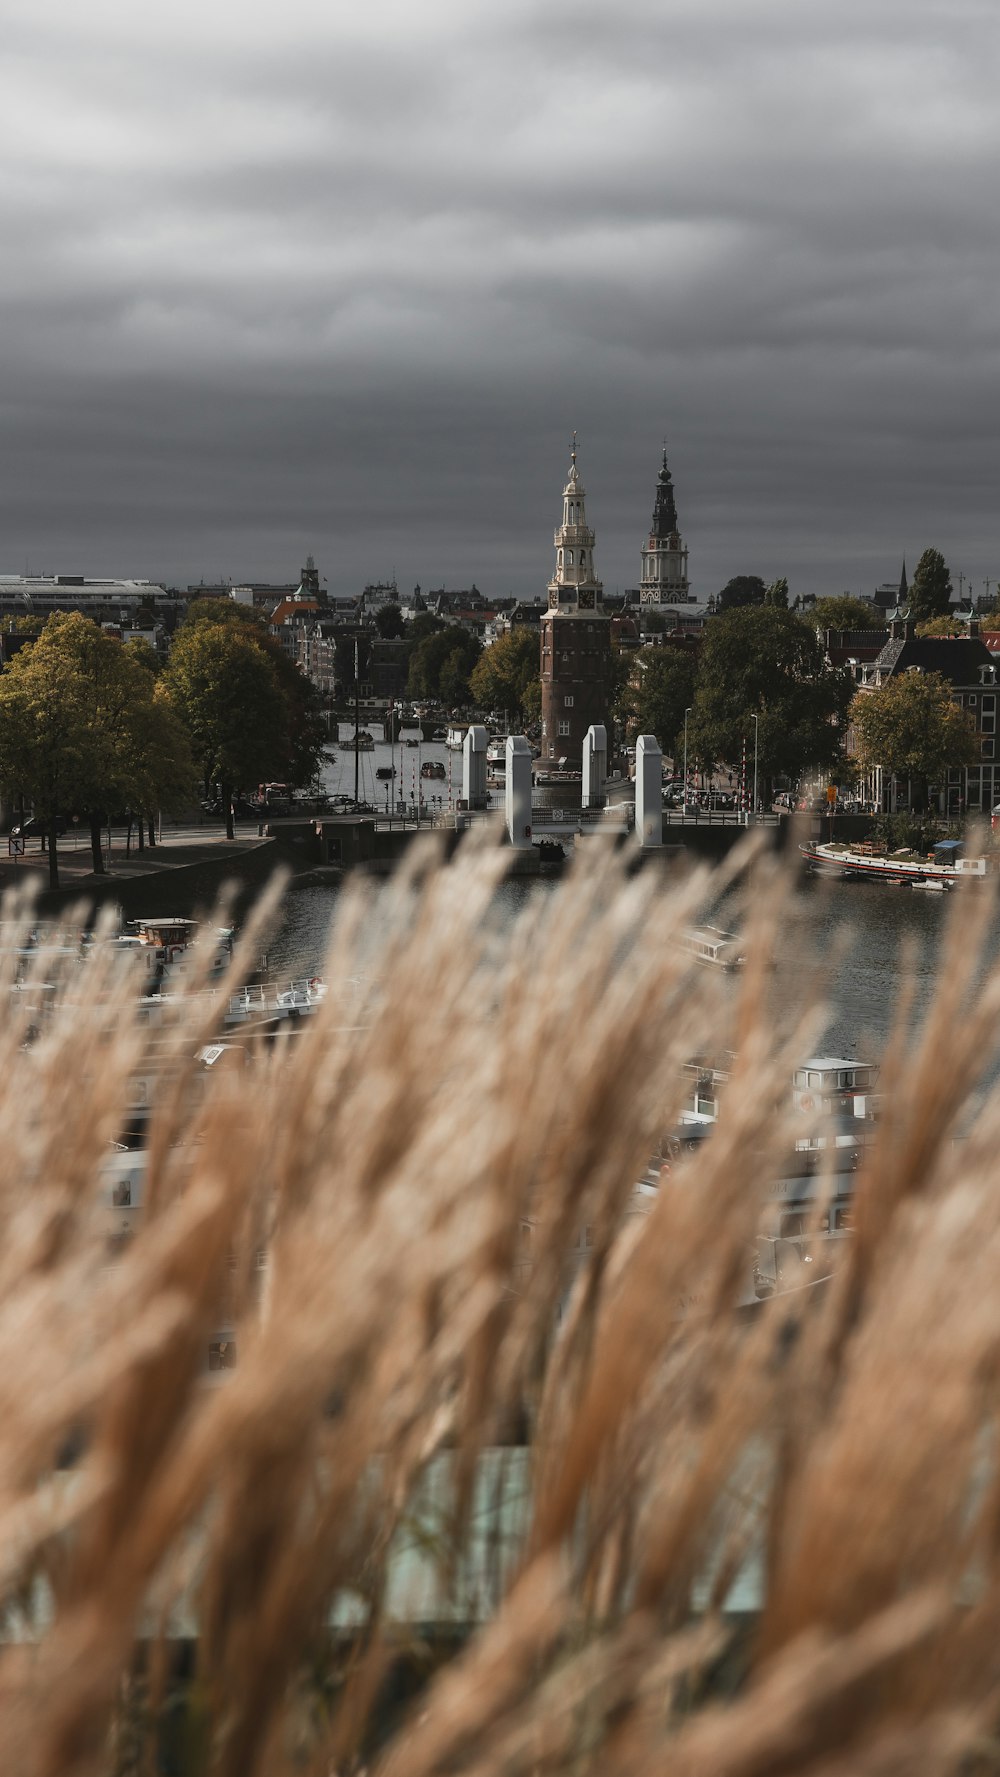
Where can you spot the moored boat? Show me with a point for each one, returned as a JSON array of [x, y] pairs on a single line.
[[714, 947], [938, 870]]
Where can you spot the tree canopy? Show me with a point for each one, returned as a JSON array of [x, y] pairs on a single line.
[[777, 593], [767, 662], [841, 611], [912, 727], [225, 686], [743, 589], [389, 622], [507, 675], [82, 730], [660, 687], [285, 709], [930, 588], [942, 626], [441, 663]]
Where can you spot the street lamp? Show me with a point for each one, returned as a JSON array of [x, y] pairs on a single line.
[[756, 736], [687, 712]]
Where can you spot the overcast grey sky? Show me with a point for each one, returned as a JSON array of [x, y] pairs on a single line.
[[302, 277]]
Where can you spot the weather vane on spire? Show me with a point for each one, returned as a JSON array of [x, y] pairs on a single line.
[[573, 448]]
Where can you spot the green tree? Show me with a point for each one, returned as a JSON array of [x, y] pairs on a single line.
[[389, 622], [777, 594], [74, 706], [912, 727], [159, 766], [504, 674], [451, 648], [227, 691], [841, 611], [659, 689], [296, 753], [767, 663], [45, 744], [930, 588], [744, 589]]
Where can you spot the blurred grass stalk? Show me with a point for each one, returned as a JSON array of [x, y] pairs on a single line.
[[454, 1438]]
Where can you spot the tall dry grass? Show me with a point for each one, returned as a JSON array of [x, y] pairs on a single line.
[[581, 1462]]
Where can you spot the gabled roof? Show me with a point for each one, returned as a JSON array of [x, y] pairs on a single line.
[[957, 658]]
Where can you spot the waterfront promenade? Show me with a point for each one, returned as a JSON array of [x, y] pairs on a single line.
[[189, 853]]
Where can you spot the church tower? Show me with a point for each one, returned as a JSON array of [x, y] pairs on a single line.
[[664, 557], [575, 636]]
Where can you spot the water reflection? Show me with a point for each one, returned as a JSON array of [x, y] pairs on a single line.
[[872, 922]]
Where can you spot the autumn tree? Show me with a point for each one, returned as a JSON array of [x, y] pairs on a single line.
[[912, 728], [78, 730], [943, 626], [507, 675], [930, 588]]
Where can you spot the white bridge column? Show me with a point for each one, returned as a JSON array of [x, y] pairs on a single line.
[[474, 768], [595, 765], [648, 792], [517, 792]]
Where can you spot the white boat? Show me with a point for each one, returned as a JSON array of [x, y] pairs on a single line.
[[938, 870], [455, 736], [713, 947], [496, 755]]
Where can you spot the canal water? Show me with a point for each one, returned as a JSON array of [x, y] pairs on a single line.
[[871, 927]]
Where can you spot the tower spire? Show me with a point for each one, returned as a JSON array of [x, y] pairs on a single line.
[[574, 582], [664, 557]]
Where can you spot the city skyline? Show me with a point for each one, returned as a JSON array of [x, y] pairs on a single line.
[[348, 285]]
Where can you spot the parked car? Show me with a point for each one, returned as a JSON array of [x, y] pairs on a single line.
[[36, 824]]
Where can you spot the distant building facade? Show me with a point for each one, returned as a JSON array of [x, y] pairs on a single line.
[[575, 636], [974, 677]]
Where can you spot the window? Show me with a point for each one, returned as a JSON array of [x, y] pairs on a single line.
[[568, 703], [987, 748], [564, 728]]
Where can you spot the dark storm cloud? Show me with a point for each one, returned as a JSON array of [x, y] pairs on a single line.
[[280, 279]]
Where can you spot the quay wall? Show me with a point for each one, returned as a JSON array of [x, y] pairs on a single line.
[[180, 889]]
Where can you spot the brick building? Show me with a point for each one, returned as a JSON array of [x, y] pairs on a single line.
[[575, 637], [968, 667]]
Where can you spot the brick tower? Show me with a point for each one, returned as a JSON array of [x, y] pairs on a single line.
[[575, 638]]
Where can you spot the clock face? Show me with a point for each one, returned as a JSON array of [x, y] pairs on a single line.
[[586, 600]]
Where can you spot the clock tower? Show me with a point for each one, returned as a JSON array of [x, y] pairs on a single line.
[[575, 636]]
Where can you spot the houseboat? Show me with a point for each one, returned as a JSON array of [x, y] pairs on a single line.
[[939, 869]]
